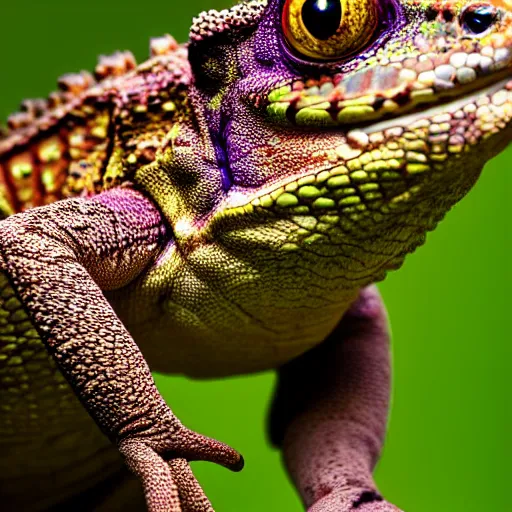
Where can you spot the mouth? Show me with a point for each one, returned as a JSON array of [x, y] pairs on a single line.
[[498, 91], [451, 125]]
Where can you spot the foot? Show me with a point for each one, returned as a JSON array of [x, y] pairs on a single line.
[[159, 456]]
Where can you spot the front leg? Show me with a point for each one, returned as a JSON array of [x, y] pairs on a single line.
[[330, 412], [57, 259]]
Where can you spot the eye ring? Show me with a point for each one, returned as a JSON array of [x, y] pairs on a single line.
[[329, 29], [477, 19]]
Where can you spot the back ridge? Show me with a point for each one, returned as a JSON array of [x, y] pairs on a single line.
[[61, 146]]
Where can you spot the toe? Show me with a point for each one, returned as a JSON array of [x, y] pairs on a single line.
[[192, 497], [194, 446]]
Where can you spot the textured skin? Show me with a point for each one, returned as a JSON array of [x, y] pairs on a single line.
[[224, 205], [346, 390], [104, 366]]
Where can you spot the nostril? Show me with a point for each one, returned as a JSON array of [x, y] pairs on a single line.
[[476, 19]]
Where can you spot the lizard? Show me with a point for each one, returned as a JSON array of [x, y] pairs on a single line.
[[224, 208]]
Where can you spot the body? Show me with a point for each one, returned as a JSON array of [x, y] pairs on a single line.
[[330, 220]]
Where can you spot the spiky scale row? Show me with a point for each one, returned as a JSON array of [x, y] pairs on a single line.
[[59, 146]]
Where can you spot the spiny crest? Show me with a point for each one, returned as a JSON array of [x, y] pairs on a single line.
[[164, 45], [73, 85], [59, 146]]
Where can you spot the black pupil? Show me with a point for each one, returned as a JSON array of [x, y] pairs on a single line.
[[478, 20], [322, 17]]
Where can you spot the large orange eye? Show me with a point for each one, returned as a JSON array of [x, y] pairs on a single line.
[[329, 29]]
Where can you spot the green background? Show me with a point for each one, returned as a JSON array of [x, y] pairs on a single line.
[[449, 441]]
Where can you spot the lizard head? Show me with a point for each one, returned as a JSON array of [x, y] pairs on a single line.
[[349, 123]]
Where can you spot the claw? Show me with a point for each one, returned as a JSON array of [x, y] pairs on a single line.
[[195, 446]]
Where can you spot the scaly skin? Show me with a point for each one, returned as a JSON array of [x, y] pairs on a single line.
[[226, 204]]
